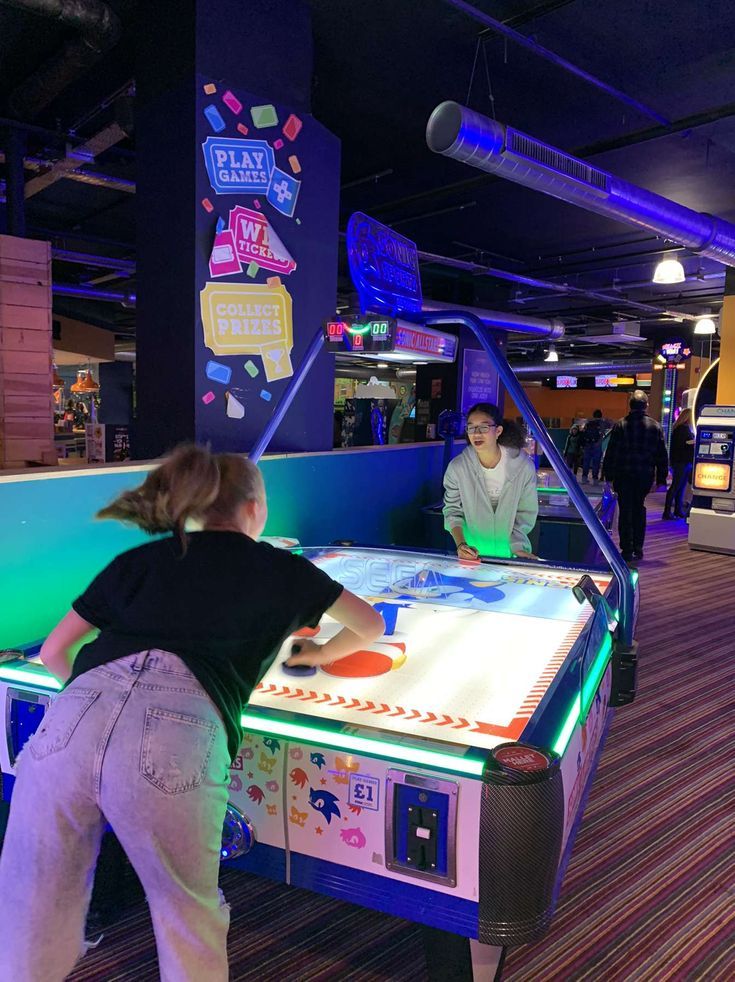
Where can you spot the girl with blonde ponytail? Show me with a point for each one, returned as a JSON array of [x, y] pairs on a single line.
[[143, 732]]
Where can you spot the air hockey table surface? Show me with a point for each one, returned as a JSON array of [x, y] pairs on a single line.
[[468, 654]]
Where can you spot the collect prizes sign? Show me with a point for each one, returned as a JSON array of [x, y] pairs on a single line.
[[240, 319], [384, 266]]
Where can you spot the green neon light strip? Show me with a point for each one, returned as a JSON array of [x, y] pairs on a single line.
[[41, 680], [592, 682], [582, 702], [634, 576], [363, 745], [565, 734], [358, 330]]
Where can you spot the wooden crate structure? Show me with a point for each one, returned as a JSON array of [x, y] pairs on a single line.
[[26, 379]]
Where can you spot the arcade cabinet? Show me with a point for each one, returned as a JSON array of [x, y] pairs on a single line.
[[712, 516]]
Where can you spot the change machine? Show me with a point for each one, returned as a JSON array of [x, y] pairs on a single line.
[[712, 517]]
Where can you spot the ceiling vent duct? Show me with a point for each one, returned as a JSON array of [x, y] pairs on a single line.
[[572, 366], [465, 135], [627, 330]]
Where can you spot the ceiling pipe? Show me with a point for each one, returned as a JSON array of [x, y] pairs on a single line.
[[546, 369], [633, 285], [98, 180], [537, 327], [100, 30], [91, 293], [537, 49], [126, 266], [563, 289], [458, 132], [38, 164], [540, 327], [89, 150]]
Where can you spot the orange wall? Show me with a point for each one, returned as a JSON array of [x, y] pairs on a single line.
[[571, 403]]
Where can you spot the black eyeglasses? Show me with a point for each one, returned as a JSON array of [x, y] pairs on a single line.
[[481, 428]]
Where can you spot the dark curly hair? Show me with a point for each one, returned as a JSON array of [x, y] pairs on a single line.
[[513, 435]]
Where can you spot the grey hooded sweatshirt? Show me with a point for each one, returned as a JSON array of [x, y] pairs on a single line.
[[504, 530]]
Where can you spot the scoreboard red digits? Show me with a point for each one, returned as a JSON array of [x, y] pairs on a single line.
[[362, 334]]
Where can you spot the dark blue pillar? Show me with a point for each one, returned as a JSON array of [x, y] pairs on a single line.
[[15, 148], [238, 193], [116, 386]]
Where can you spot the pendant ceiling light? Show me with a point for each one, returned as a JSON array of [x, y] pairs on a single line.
[[669, 271], [85, 384], [552, 355], [705, 325]]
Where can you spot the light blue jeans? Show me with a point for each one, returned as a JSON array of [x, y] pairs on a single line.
[[139, 744]]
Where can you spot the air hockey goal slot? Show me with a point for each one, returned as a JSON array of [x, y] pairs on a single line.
[[421, 827], [24, 713]]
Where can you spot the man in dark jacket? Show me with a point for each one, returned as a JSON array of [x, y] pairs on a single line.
[[636, 454]]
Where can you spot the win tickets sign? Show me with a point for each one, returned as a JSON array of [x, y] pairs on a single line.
[[256, 241]]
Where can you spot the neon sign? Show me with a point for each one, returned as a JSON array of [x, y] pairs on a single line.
[[423, 341], [384, 266], [673, 353]]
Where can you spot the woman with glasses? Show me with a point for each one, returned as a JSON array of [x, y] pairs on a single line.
[[490, 498]]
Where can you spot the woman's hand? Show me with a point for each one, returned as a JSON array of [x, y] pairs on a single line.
[[524, 555], [305, 652], [468, 553]]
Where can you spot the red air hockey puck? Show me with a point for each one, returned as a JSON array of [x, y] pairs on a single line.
[[378, 660]]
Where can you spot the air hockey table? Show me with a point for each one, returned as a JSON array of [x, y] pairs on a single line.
[[439, 775], [560, 533]]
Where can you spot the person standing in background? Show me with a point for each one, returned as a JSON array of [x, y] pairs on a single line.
[[682, 459], [591, 440], [571, 448], [636, 454]]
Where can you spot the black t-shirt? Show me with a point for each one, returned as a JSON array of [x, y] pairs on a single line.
[[224, 607]]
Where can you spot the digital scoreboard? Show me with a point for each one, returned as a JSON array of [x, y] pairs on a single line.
[[362, 335]]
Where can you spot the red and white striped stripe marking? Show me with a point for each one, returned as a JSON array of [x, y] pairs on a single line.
[[536, 694], [425, 717], [367, 706]]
